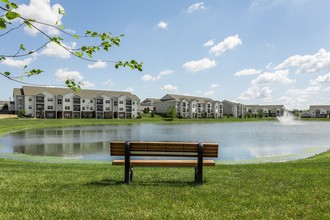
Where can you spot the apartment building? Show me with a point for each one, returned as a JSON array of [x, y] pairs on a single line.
[[148, 103], [267, 110], [189, 106], [49, 102], [236, 110], [319, 111]]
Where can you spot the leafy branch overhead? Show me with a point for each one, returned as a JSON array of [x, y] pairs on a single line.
[[85, 52]]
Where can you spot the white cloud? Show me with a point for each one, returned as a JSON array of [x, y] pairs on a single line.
[[213, 86], [129, 89], [195, 7], [169, 88], [280, 76], [209, 93], [227, 44], [304, 92], [195, 66], [97, 65], [87, 84], [247, 72], [209, 43], [148, 77], [327, 89], [254, 92], [108, 83], [54, 50], [44, 12], [321, 79], [64, 74], [17, 63], [165, 73], [162, 25], [308, 63]]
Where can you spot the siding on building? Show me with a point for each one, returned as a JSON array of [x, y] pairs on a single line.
[[189, 106], [46, 102]]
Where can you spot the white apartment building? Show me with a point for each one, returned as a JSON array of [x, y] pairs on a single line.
[[189, 106], [47, 102], [320, 111]]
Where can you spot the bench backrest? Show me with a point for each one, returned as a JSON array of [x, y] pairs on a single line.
[[166, 149]]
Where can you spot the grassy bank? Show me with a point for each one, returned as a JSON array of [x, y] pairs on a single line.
[[291, 190]]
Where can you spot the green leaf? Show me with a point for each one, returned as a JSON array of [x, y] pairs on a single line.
[[78, 54], [13, 5], [2, 24], [22, 47], [7, 73], [27, 23], [76, 36], [12, 15], [5, 1]]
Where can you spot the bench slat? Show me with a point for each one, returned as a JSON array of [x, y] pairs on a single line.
[[164, 163], [183, 149]]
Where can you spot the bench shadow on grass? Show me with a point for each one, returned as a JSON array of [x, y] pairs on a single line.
[[110, 182]]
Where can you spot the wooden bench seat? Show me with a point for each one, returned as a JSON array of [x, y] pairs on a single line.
[[167, 150], [164, 163]]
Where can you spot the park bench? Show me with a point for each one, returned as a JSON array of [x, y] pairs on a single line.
[[164, 150]]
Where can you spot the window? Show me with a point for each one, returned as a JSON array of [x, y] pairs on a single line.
[[50, 99], [107, 101], [91, 108], [59, 101], [107, 108], [30, 106], [30, 99], [83, 101], [67, 107], [121, 102], [49, 107], [67, 100], [91, 101], [115, 103], [121, 109], [83, 108]]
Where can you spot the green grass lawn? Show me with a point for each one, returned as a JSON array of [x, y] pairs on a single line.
[[291, 190]]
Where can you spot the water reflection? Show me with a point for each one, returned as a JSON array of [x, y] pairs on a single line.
[[237, 141], [62, 149]]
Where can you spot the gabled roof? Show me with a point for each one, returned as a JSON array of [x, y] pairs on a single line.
[[319, 107], [150, 100], [181, 97], [231, 103], [84, 93]]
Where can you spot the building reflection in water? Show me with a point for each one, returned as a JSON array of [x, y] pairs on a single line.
[[65, 149]]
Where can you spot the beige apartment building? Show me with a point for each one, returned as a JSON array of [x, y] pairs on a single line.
[[49, 102], [189, 106]]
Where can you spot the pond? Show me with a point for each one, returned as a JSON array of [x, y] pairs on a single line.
[[239, 142]]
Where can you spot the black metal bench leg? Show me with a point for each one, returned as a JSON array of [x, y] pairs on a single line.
[[200, 164], [131, 175]]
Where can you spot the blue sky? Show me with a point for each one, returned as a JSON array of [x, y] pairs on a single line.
[[253, 52]]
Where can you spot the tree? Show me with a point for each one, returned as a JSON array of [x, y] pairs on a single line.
[[260, 113], [171, 112], [296, 113], [21, 113], [146, 110], [85, 52], [5, 107]]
